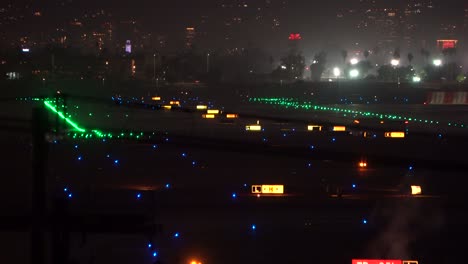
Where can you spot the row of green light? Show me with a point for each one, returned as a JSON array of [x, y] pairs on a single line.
[[289, 102], [99, 134], [61, 115], [82, 133]]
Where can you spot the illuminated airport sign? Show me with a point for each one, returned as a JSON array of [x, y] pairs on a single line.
[[376, 261], [253, 127], [208, 116], [339, 128], [267, 189], [416, 189], [395, 134], [314, 128]]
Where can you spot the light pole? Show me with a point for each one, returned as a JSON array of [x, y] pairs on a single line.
[[395, 63], [154, 66]]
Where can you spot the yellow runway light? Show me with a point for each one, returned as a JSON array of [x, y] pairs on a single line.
[[212, 111], [201, 107], [168, 107], [231, 116], [155, 98]]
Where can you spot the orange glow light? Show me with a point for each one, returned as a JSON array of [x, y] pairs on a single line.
[[167, 107], [174, 102], [362, 164], [155, 98]]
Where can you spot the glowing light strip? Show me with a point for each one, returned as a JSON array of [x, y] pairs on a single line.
[[71, 123]]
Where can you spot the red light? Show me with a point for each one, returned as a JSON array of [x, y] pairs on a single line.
[[406, 122], [448, 45], [295, 36]]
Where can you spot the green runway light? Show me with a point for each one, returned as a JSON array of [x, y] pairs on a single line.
[[289, 102], [71, 123]]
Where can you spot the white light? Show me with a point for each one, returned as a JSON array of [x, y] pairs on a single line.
[[395, 62], [354, 61], [416, 79], [437, 62], [283, 67], [336, 71], [353, 73], [25, 50]]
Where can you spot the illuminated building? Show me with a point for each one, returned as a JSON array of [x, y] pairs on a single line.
[[294, 40], [190, 34], [128, 46]]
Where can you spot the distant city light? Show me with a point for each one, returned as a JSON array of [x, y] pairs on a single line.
[[254, 227], [155, 254], [128, 46], [354, 61], [416, 79], [437, 62], [234, 195], [353, 73], [395, 62], [167, 185], [138, 195], [364, 221], [283, 67], [176, 235], [336, 71], [25, 50]]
